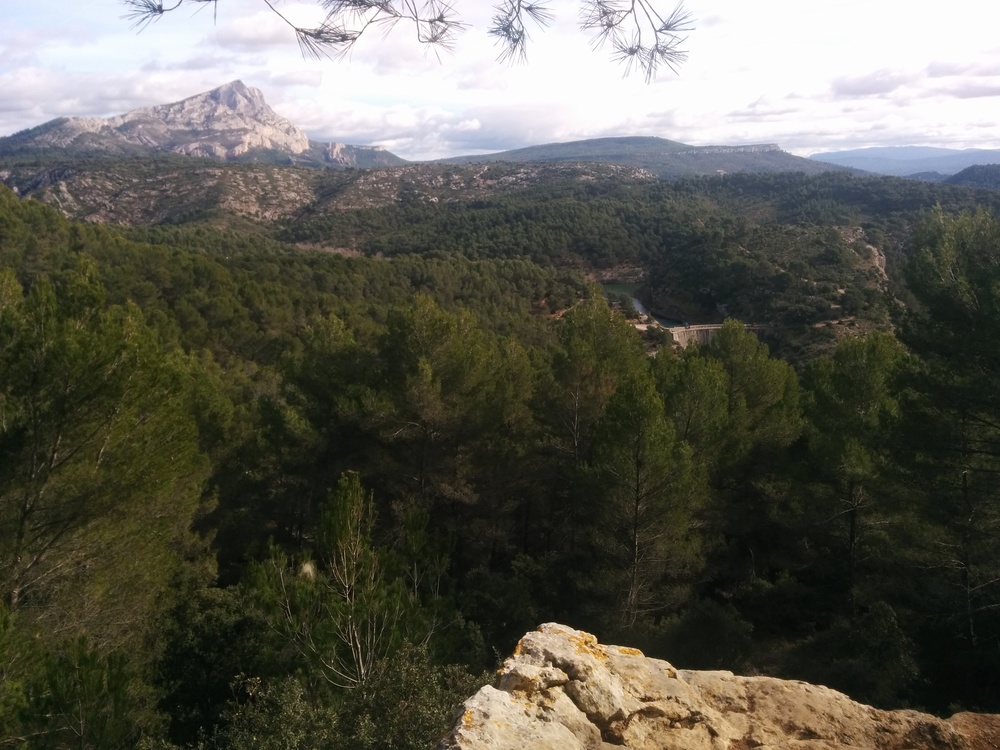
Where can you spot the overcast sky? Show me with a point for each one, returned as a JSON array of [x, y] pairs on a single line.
[[809, 75]]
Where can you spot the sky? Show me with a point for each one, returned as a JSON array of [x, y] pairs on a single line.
[[808, 75]]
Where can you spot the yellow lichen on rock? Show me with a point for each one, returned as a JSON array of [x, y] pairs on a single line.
[[468, 719], [587, 643]]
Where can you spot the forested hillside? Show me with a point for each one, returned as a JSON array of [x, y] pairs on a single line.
[[979, 175], [255, 493]]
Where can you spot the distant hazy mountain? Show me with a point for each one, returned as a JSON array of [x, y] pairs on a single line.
[[906, 161], [586, 150], [229, 122], [659, 156]]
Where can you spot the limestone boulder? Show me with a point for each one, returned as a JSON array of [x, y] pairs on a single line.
[[562, 690]]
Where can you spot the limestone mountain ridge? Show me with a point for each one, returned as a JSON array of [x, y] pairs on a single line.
[[230, 122], [233, 122], [562, 690]]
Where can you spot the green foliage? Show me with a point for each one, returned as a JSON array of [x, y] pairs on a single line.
[[852, 404], [740, 408], [96, 442], [952, 430], [694, 389], [871, 658], [344, 612], [408, 704], [81, 697], [210, 642], [16, 661], [978, 175], [761, 396], [527, 459], [706, 635], [954, 275], [648, 492], [509, 602], [274, 716], [597, 351], [440, 374]]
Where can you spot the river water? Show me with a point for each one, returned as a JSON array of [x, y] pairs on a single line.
[[629, 289]]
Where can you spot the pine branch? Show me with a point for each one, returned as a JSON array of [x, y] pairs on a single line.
[[639, 37]]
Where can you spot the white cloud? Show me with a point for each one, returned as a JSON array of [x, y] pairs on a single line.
[[973, 90], [876, 83], [258, 32], [466, 126], [197, 63], [827, 73], [307, 78]]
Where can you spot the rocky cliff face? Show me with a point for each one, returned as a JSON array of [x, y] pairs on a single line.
[[562, 690], [757, 148], [230, 122], [225, 123], [356, 156]]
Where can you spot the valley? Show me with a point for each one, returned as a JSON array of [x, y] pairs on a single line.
[[289, 441]]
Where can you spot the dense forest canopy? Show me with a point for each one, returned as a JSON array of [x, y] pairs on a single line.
[[254, 492]]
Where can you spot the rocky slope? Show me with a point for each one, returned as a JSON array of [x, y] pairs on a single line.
[[229, 122], [438, 183], [563, 690], [174, 190], [225, 123], [142, 191]]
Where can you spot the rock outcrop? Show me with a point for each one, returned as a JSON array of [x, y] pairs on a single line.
[[224, 123], [229, 122], [753, 148], [358, 156], [562, 690]]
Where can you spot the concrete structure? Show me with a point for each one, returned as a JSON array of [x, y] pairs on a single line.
[[702, 335]]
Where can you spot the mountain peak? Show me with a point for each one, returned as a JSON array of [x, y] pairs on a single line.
[[237, 86], [237, 96], [227, 122]]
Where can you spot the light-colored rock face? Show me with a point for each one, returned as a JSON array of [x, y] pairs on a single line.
[[347, 156], [562, 690], [226, 122]]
